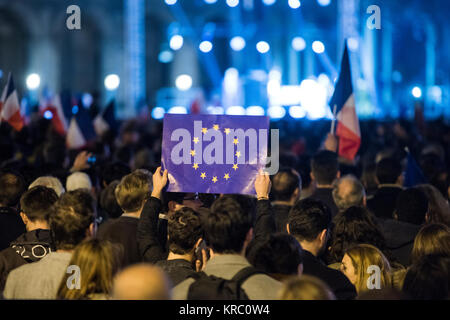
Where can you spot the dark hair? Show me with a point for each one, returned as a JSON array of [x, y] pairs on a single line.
[[72, 215], [177, 197], [12, 186], [411, 206], [325, 166], [429, 278], [354, 226], [247, 203], [227, 225], [108, 201], [388, 170], [284, 183], [115, 171], [279, 254], [308, 218], [184, 229], [37, 202]]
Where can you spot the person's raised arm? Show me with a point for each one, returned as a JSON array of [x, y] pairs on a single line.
[[265, 221], [147, 233]]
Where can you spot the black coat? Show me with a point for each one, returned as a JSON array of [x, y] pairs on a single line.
[[382, 204], [11, 226], [326, 196], [281, 212]]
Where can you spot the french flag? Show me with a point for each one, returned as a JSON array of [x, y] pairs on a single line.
[[81, 130], [343, 101], [10, 107], [54, 107]]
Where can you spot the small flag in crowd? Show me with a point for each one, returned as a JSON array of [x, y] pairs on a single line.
[[214, 153], [413, 173], [10, 107], [343, 101], [81, 130], [53, 110], [106, 120]]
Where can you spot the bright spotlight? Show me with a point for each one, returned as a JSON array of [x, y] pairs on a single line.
[[215, 110], [298, 44], [416, 92], [294, 4], [158, 113], [255, 111], [235, 111], [262, 47], [176, 42], [237, 43], [232, 3], [269, 2], [323, 3], [33, 81], [297, 112], [318, 47], [165, 56], [183, 82], [170, 2], [48, 115], [205, 46], [353, 44], [276, 112], [112, 82], [210, 1], [178, 110]]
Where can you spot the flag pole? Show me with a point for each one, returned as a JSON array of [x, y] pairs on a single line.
[[333, 123]]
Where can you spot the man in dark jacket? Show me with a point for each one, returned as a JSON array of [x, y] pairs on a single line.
[[309, 222], [36, 243], [324, 170], [11, 226]]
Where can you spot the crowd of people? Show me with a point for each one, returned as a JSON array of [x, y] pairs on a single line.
[[98, 223]]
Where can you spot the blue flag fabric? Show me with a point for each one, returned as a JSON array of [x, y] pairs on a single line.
[[344, 87], [413, 173], [214, 153]]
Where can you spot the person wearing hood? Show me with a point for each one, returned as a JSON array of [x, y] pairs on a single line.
[[36, 242]]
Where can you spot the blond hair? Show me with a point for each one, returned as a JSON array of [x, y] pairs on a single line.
[[432, 239], [305, 288], [363, 256], [133, 190]]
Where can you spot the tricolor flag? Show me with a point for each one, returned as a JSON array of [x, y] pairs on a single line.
[[10, 107], [81, 130], [106, 120], [58, 119], [344, 101], [413, 173]]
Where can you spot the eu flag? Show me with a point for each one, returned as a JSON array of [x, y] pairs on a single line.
[[214, 153]]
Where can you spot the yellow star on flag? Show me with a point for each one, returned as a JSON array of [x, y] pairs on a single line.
[[226, 176], [235, 141], [238, 154], [235, 167], [195, 139], [216, 127], [203, 175], [214, 179], [227, 130], [192, 152], [195, 166], [204, 130]]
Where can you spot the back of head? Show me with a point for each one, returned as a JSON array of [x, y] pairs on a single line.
[[308, 218], [133, 190], [429, 278], [227, 225], [411, 206], [352, 227], [431, 239], [78, 180], [306, 288], [11, 188], [280, 254], [325, 166], [184, 230], [108, 201], [71, 218], [114, 171], [388, 170], [37, 203], [284, 184], [141, 282], [438, 206], [49, 182], [348, 191]]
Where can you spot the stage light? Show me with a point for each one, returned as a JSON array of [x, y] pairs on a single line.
[[417, 92], [112, 82], [48, 115], [176, 42], [33, 81], [297, 112], [353, 44], [178, 110], [170, 2], [269, 2], [276, 112], [232, 3], [273, 87], [215, 110], [323, 3], [318, 47], [298, 44], [158, 113], [254, 111], [231, 81], [87, 100], [210, 1], [237, 43], [183, 82], [294, 4], [165, 56], [205, 46], [262, 47], [235, 111], [436, 94], [313, 99], [75, 109]]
